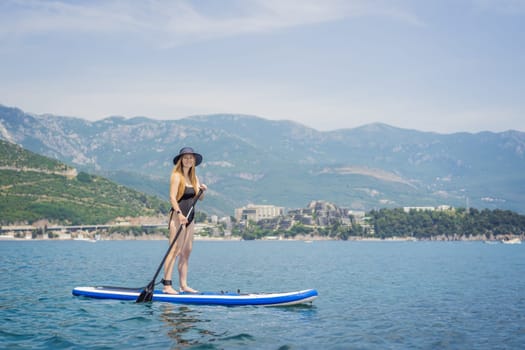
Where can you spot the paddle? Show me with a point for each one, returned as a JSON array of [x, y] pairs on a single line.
[[147, 294]]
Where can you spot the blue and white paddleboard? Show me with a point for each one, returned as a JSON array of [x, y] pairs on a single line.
[[203, 298]]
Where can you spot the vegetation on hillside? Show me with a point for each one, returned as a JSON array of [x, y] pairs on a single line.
[[459, 223], [34, 187], [16, 157]]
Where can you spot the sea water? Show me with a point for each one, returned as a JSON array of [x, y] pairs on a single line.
[[372, 295]]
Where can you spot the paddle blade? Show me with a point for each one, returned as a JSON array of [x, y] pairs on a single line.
[[147, 294]]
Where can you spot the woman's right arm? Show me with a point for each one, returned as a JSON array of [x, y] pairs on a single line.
[[174, 187]]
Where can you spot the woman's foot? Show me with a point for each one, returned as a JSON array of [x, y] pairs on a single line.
[[188, 290], [169, 290]]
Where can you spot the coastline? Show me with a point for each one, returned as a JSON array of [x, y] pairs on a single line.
[[509, 239]]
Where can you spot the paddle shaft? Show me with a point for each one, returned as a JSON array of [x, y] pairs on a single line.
[[147, 293]]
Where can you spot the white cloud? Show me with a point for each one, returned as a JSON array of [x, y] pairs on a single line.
[[22, 17], [173, 22]]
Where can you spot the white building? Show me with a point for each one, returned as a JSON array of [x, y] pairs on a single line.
[[255, 212]]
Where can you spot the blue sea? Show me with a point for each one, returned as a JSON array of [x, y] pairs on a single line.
[[372, 295]]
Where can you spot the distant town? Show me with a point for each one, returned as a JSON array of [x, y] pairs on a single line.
[[273, 218], [319, 220]]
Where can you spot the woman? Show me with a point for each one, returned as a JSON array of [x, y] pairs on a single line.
[[184, 186]]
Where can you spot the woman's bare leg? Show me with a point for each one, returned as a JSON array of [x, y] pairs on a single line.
[[184, 258], [172, 256]]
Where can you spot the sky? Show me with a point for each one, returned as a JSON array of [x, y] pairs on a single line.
[[432, 65]]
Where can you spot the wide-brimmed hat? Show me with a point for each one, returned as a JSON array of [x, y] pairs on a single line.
[[188, 150]]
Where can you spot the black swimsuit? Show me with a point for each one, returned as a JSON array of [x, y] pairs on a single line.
[[186, 201]]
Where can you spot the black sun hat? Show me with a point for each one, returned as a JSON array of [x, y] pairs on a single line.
[[188, 150]]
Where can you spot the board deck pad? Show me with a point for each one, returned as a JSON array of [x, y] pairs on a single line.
[[202, 298]]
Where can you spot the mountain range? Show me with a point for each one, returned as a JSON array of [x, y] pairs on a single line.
[[249, 159]]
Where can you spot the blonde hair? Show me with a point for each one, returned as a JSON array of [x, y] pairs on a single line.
[[177, 170]]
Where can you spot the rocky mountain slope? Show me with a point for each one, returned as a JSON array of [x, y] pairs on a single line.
[[253, 160]]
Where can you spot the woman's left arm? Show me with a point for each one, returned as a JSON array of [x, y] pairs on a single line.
[[203, 189]]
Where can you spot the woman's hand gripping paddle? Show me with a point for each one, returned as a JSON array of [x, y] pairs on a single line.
[[147, 294]]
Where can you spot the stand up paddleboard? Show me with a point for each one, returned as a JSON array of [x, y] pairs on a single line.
[[202, 298]]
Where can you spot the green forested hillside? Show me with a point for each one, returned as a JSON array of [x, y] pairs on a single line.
[[461, 222], [33, 187]]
